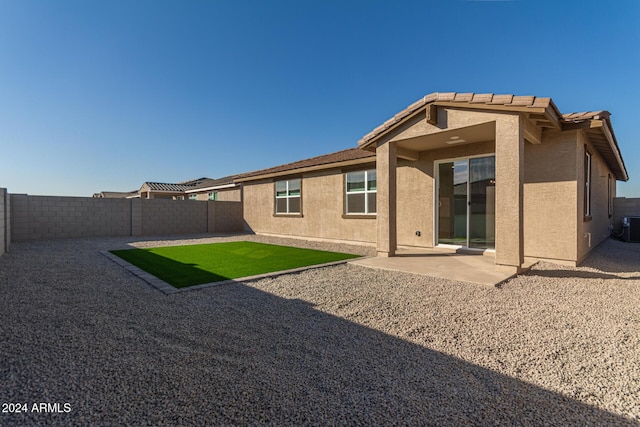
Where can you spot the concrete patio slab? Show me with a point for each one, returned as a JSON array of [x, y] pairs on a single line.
[[472, 267]]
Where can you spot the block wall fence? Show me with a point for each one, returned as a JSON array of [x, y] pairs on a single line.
[[53, 217], [5, 219], [624, 207]]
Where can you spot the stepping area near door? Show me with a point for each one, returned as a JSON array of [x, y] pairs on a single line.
[[461, 266]]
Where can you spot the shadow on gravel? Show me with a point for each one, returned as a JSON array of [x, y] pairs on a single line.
[[237, 355], [615, 256], [581, 274]]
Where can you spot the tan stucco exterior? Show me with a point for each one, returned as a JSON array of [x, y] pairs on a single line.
[[539, 185], [322, 210]]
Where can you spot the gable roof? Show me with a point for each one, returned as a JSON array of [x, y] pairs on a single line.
[[596, 124], [336, 159], [491, 101]]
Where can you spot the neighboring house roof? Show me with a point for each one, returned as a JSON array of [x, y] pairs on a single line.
[[214, 184], [542, 111], [162, 186], [115, 194], [337, 159], [194, 182]]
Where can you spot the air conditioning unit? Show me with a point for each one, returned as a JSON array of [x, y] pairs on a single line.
[[631, 228]]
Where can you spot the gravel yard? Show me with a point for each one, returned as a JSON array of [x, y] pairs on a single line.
[[341, 345]]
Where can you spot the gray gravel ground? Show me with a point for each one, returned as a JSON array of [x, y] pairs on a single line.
[[341, 345]]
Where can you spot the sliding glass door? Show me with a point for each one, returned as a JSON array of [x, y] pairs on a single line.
[[466, 202]]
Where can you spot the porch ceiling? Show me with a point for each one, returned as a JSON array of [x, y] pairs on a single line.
[[450, 137]]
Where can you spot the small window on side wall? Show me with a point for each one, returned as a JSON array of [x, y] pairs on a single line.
[[360, 196], [587, 183], [610, 191], [288, 197]]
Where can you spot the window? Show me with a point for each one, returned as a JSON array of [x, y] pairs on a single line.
[[610, 195], [360, 195], [288, 196], [193, 197], [587, 182], [213, 196]]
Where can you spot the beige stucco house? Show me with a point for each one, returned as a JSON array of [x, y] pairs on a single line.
[[503, 174]]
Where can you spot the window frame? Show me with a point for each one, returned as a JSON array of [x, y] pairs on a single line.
[[213, 196], [193, 197], [288, 197], [588, 165], [366, 192], [609, 195]]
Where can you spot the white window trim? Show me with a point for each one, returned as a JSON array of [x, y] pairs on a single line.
[[288, 197], [366, 193]]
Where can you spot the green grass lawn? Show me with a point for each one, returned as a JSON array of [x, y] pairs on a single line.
[[189, 265]]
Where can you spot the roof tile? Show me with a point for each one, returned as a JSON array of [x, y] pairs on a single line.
[[523, 101], [446, 96], [339, 156], [502, 99], [463, 97], [481, 98]]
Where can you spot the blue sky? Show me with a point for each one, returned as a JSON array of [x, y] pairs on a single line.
[[104, 95]]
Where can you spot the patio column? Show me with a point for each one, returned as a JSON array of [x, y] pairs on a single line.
[[386, 163], [509, 193]]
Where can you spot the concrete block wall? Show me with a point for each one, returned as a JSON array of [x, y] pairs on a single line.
[[5, 221], [52, 217], [622, 207], [225, 217], [161, 217]]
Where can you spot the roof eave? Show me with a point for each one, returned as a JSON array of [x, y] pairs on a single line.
[[333, 165], [607, 130], [215, 187]]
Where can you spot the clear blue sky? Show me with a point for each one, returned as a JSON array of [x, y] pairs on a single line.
[[104, 95]]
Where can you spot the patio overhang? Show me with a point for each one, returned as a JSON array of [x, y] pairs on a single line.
[[430, 116], [410, 148]]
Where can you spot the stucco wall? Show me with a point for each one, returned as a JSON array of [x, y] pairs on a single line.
[[5, 221], [592, 232], [416, 187], [322, 210], [550, 197], [52, 217]]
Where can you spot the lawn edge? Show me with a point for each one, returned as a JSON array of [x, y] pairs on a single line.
[[168, 289]]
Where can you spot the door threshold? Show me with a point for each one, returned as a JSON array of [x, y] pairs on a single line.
[[467, 250]]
